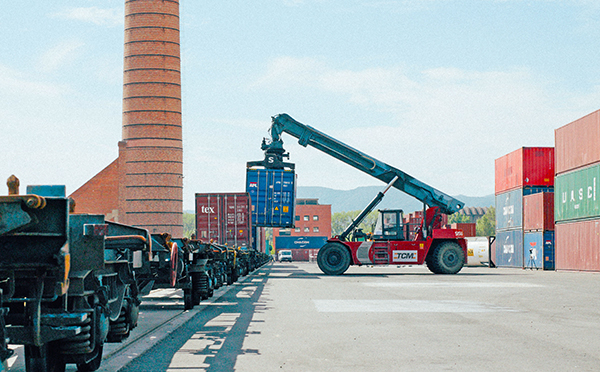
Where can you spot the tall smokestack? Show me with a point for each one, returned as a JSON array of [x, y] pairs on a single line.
[[151, 179]]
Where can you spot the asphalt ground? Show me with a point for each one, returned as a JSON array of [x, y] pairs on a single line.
[[291, 317]]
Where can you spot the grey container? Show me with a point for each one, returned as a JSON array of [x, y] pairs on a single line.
[[509, 248], [509, 207]]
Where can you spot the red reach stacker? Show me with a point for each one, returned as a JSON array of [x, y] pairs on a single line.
[[444, 251]]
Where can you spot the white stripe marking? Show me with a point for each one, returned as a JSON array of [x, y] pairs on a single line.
[[404, 306], [454, 285]]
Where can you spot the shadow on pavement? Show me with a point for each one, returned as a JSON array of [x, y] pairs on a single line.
[[212, 339]]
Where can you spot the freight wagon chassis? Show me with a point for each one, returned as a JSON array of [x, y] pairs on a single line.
[[199, 281], [59, 295]]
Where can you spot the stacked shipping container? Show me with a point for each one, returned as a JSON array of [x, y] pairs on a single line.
[[414, 220], [469, 228], [577, 204], [273, 196], [538, 225], [304, 248], [224, 218], [522, 173]]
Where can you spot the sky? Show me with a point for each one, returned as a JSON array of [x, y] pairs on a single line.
[[436, 88]]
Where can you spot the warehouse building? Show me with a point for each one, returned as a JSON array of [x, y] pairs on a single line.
[[312, 229]]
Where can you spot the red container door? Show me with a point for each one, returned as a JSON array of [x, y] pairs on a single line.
[[538, 166], [300, 254], [577, 246], [237, 220], [538, 212], [209, 217]]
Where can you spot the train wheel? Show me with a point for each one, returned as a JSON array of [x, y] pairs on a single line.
[[196, 288], [174, 274], [93, 364], [119, 329], [188, 302], [210, 284], [333, 259], [43, 359]]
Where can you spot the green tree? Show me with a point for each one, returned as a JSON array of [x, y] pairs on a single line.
[[341, 220], [459, 218], [270, 240], [189, 224], [486, 225]]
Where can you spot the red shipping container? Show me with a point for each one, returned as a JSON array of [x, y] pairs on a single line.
[[578, 143], [224, 218], [527, 166], [577, 245], [469, 229], [538, 211]]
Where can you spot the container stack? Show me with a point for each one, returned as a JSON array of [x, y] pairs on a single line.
[[224, 218], [538, 227], [577, 203], [526, 171], [413, 220], [469, 228]]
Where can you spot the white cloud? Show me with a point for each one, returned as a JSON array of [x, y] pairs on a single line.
[[14, 84], [444, 126], [95, 15], [59, 55]]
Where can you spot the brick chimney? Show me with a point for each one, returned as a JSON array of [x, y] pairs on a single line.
[[144, 186], [153, 166]]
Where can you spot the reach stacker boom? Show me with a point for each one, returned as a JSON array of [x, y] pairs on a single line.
[[444, 251]]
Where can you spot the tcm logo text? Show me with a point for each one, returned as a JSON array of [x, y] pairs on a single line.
[[405, 256]]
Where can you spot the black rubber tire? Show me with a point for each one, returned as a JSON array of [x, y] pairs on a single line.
[[333, 259], [446, 258]]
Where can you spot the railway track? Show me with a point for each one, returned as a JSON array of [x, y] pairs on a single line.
[[161, 312]]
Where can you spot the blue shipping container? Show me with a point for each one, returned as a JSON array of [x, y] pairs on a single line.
[[509, 206], [273, 196], [538, 250], [509, 248], [305, 242]]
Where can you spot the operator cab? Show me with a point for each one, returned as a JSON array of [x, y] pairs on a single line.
[[390, 225]]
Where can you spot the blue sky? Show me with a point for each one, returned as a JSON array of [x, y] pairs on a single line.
[[437, 88]]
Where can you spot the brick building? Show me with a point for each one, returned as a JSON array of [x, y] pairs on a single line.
[[312, 229], [312, 219]]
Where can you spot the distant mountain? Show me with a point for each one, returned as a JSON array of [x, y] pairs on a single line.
[[357, 199]]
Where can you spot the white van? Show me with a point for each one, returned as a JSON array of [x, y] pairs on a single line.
[[284, 255]]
